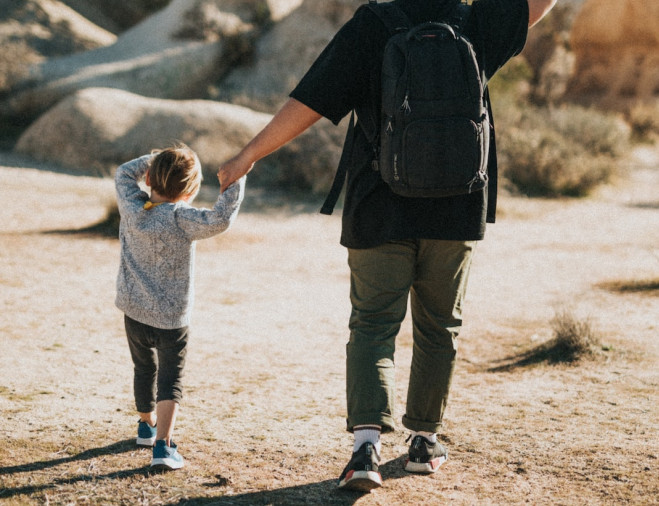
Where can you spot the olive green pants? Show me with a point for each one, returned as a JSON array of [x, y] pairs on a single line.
[[434, 275]]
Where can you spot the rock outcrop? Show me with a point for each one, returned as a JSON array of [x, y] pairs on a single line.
[[152, 59], [96, 129], [116, 16], [35, 30], [616, 43], [283, 54]]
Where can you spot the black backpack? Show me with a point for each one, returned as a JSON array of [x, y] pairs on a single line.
[[434, 129]]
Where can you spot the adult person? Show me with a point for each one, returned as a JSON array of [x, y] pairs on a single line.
[[398, 247]]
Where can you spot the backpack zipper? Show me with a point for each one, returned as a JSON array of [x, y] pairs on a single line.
[[396, 176]]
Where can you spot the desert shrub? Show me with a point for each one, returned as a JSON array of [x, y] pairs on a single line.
[[573, 338], [512, 80], [597, 132], [566, 151]]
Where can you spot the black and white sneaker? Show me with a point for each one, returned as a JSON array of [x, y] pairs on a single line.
[[424, 456], [362, 473]]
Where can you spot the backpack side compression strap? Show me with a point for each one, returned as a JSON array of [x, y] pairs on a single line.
[[342, 170]]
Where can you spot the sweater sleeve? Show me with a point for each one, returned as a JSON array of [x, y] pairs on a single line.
[[130, 196], [204, 223]]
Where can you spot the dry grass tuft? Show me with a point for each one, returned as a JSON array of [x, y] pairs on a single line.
[[573, 338]]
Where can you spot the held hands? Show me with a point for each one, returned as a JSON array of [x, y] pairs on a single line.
[[232, 171]]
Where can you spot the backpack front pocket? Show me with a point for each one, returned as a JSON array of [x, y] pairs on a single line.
[[441, 155]]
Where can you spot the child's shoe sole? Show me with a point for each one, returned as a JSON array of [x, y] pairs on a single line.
[[166, 464], [148, 441]]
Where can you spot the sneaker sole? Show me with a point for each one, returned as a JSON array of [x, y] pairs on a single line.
[[364, 481], [145, 441], [166, 464], [424, 467]]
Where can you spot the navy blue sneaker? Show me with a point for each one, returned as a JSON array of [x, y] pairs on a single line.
[[166, 457], [146, 435], [362, 472]]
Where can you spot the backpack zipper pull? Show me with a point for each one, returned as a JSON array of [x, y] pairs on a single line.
[[406, 104]]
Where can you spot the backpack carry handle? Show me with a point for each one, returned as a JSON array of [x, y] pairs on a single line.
[[431, 25]]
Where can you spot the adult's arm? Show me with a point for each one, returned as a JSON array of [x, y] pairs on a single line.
[[292, 119], [538, 9]]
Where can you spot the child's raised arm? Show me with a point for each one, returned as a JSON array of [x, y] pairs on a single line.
[[126, 180]]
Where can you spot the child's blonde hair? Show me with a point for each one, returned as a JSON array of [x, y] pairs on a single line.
[[175, 172]]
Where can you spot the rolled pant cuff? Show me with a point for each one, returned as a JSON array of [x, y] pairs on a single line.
[[146, 408], [420, 425], [386, 422]]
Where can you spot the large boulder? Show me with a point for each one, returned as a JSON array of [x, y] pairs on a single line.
[[174, 53], [279, 9], [284, 54], [94, 130], [32, 31], [116, 16], [616, 43]]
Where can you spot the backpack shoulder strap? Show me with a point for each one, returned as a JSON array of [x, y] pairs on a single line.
[[395, 20], [460, 15]]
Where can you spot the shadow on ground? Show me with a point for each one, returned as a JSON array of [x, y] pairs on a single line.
[[119, 447], [323, 492]]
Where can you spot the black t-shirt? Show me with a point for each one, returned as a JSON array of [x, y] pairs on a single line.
[[346, 76]]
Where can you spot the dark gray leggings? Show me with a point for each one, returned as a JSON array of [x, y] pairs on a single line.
[[159, 358]]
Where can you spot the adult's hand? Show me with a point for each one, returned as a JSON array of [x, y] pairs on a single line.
[[233, 170], [290, 121]]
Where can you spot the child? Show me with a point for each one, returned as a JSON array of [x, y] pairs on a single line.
[[155, 285]]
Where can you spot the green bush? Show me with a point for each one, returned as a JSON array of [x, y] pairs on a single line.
[[566, 151]]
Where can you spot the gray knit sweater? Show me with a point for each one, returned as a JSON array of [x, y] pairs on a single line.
[[155, 284]]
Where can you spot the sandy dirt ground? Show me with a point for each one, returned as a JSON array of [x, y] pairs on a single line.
[[263, 419]]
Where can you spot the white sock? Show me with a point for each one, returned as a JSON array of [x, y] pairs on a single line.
[[430, 436], [367, 434]]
